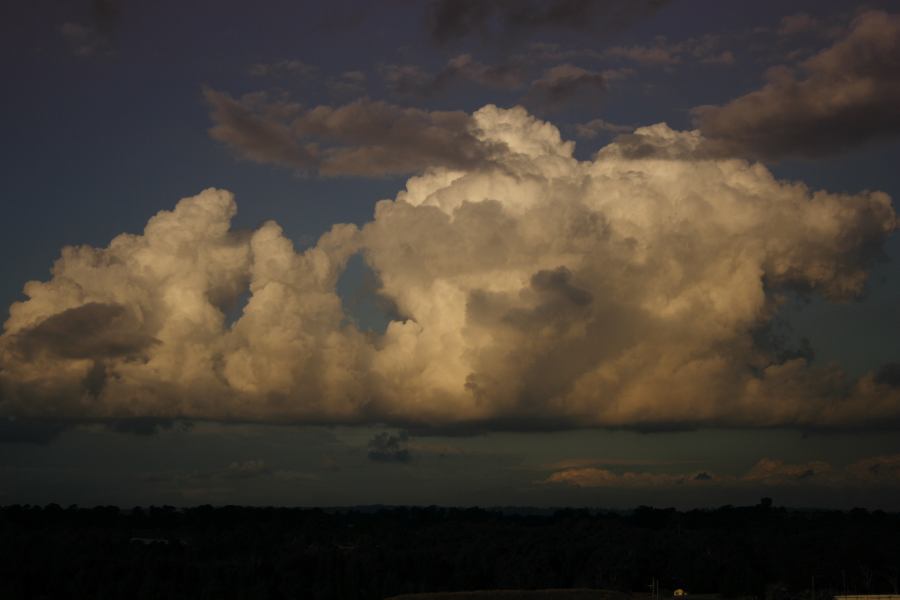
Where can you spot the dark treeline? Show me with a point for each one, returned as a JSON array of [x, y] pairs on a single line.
[[237, 552]]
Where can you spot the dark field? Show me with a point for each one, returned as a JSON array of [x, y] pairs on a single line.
[[573, 594], [281, 553], [519, 595]]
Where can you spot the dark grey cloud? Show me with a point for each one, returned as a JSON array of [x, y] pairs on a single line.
[[246, 469], [565, 83], [362, 138], [29, 431], [348, 84], [105, 15], [598, 127], [413, 80], [888, 374], [389, 447], [707, 49], [145, 425], [499, 19], [93, 330], [798, 23], [557, 283], [847, 95], [96, 36], [282, 68]]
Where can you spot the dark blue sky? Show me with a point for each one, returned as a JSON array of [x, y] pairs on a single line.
[[106, 123]]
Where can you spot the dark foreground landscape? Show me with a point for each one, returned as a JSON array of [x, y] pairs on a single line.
[[374, 553]]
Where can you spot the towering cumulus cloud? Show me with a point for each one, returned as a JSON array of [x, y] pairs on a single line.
[[535, 291]]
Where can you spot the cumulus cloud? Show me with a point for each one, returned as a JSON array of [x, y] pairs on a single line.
[[501, 19], [362, 138], [877, 470], [532, 291], [846, 95]]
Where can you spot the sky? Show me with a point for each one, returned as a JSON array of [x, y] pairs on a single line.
[[456, 252]]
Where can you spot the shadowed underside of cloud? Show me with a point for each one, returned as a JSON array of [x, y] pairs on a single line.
[[363, 138], [873, 471], [847, 95], [536, 291], [502, 19]]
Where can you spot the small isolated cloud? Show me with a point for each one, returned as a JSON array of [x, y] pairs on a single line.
[[565, 83], [725, 57], [246, 469], [282, 68], [84, 40], [411, 80], [646, 55], [363, 138], [705, 49], [598, 127], [348, 84], [503, 19], [389, 447], [798, 23], [95, 37], [844, 96]]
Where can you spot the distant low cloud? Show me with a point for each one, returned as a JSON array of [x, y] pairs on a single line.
[[388, 447], [873, 471], [502, 19], [363, 138], [29, 431], [846, 95], [529, 290], [246, 469]]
